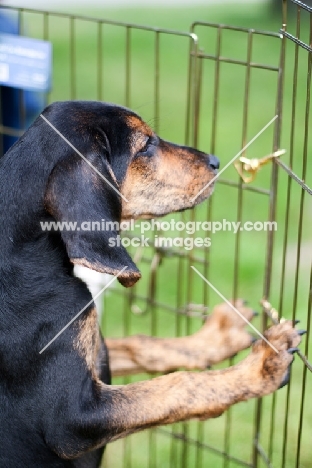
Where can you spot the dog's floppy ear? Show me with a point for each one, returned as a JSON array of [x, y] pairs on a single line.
[[77, 194]]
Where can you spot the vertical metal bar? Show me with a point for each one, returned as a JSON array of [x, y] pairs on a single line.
[[272, 208], [189, 290], [240, 188], [189, 93], [299, 236], [127, 442], [128, 65], [157, 81], [46, 26], [127, 462], [272, 428], [197, 64], [152, 445], [270, 237], [191, 89], [239, 216], [284, 14], [200, 426], [100, 62], [46, 17], [179, 300], [200, 437], [152, 442], [216, 93], [178, 331], [291, 158], [266, 293], [180, 280], [206, 272], [72, 59], [286, 223], [303, 193], [199, 78], [194, 122], [196, 67], [214, 125], [304, 378]]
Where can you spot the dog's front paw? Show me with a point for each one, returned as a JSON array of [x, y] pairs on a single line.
[[270, 360], [232, 314], [224, 333]]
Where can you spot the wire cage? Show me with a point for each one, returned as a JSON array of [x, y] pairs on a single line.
[[216, 88]]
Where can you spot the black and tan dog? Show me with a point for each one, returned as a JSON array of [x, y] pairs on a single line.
[[57, 408]]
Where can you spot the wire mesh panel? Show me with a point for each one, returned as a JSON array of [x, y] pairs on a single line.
[[95, 59], [231, 83], [172, 299], [215, 88], [293, 260]]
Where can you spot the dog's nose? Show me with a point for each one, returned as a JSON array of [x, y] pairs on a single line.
[[214, 162]]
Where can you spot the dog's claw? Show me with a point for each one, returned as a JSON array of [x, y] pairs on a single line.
[[286, 378], [296, 321], [255, 313], [301, 332], [292, 350]]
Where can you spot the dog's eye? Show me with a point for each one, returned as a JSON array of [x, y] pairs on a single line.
[[147, 148]]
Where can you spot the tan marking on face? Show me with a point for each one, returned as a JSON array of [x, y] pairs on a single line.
[[140, 133], [137, 124], [87, 342], [165, 182]]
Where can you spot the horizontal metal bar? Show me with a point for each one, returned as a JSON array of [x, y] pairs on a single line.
[[104, 21], [185, 311], [11, 131], [296, 40], [202, 445], [302, 5], [203, 55], [246, 187], [291, 173], [234, 28]]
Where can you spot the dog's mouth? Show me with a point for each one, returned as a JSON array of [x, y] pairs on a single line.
[[204, 193], [169, 204], [159, 194], [144, 216], [191, 204]]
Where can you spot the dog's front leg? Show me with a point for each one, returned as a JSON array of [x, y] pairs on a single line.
[[111, 412], [222, 336]]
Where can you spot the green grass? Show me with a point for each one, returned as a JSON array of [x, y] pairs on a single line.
[[175, 284]]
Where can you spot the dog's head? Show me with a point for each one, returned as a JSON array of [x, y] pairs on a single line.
[[113, 167]]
